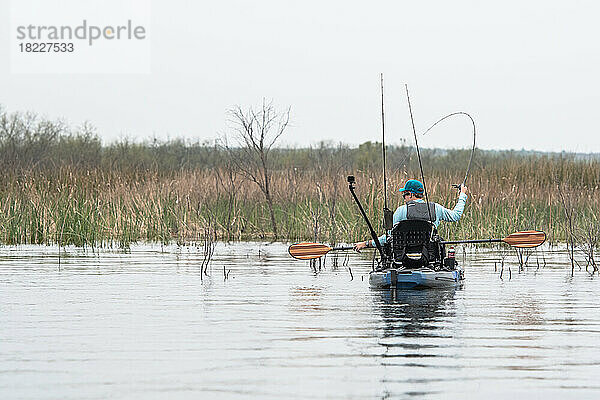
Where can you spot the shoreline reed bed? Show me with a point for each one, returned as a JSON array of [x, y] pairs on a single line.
[[60, 185], [69, 205]]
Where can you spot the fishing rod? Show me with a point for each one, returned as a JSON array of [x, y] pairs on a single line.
[[387, 213], [388, 216], [419, 156], [464, 182]]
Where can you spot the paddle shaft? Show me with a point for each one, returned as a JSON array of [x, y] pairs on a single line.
[[342, 248], [472, 241], [524, 239]]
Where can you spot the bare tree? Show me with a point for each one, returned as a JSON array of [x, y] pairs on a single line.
[[256, 132]]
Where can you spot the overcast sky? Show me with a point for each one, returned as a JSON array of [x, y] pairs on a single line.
[[528, 72]]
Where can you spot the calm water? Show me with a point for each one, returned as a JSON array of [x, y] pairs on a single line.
[[143, 325]]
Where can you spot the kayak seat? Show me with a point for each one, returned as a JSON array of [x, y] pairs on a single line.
[[411, 245]]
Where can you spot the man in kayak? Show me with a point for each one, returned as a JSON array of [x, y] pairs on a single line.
[[416, 208]]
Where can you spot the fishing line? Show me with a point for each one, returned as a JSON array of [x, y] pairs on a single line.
[[418, 154], [464, 182]]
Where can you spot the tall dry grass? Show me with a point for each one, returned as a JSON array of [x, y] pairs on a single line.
[[94, 206], [59, 184]]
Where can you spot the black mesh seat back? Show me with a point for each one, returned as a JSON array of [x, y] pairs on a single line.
[[411, 234]]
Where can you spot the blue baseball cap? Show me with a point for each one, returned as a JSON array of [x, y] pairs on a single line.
[[413, 186]]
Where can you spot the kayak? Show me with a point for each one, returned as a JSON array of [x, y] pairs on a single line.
[[421, 278]]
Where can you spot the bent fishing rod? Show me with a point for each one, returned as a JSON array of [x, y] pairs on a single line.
[[464, 182]]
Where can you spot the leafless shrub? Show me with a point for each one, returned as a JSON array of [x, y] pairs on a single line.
[[208, 246], [346, 260], [523, 257], [588, 238], [566, 200], [256, 132], [226, 273], [316, 265]]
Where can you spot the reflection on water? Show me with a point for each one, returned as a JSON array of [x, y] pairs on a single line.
[[144, 325], [413, 313]]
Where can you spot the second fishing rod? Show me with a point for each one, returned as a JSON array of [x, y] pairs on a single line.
[[387, 213], [419, 158]]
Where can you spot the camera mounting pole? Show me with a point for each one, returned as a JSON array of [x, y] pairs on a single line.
[[351, 183]]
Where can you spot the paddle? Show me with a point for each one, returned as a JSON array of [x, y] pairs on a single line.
[[524, 239], [307, 251]]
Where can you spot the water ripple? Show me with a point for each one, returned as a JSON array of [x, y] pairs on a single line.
[[146, 324]]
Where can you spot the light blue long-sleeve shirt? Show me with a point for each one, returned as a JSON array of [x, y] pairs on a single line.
[[441, 214]]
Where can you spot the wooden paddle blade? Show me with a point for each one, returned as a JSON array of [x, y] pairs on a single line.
[[307, 251], [525, 239]]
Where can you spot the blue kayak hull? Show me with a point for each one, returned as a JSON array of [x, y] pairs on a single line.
[[416, 279]]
